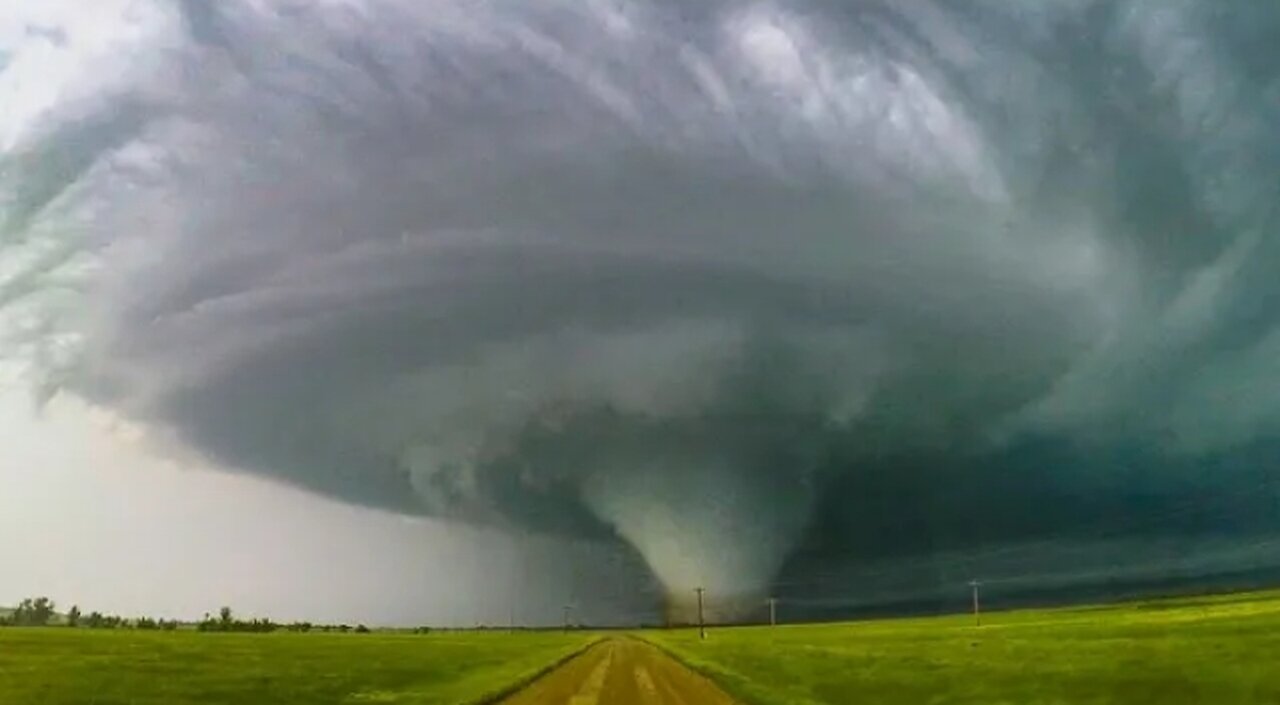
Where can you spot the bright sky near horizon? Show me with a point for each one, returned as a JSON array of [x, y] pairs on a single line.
[[90, 517]]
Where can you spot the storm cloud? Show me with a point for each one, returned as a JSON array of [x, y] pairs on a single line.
[[759, 288]]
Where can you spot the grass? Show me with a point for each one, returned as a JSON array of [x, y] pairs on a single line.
[[1221, 650], [54, 666], [1214, 650]]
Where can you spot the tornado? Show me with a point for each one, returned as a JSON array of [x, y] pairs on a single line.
[[733, 285]]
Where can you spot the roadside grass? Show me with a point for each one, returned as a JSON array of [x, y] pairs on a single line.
[[56, 666], [1217, 650]]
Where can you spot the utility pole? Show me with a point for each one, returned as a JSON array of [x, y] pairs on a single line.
[[977, 605], [702, 624], [773, 611]]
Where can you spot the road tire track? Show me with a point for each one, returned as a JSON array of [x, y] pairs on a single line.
[[621, 672]]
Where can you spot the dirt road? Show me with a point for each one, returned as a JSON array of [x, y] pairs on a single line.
[[621, 672]]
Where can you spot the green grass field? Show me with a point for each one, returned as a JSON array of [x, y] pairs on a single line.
[[1211, 651], [54, 666]]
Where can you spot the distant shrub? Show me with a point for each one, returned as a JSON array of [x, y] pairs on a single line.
[[226, 622]]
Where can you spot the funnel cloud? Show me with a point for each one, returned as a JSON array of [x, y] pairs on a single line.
[[780, 295]]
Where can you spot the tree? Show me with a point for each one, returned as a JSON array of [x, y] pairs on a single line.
[[94, 620], [73, 616], [34, 612], [225, 618]]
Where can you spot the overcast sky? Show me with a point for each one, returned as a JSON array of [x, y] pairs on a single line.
[[363, 309]]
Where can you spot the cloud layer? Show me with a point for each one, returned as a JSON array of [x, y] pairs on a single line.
[[715, 279]]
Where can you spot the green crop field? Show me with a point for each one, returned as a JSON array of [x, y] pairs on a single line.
[[58, 666], [1212, 651]]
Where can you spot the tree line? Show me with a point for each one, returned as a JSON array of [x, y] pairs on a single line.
[[226, 621], [42, 612]]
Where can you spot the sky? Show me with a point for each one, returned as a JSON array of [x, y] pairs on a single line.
[[844, 301], [93, 520]]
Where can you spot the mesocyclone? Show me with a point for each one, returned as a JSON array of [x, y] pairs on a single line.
[[683, 275]]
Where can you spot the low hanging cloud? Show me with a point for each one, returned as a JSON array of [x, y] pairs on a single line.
[[717, 279]]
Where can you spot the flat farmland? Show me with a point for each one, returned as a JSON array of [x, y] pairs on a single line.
[[1219, 650], [58, 666], [1216, 650]]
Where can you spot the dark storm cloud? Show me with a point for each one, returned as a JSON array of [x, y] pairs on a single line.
[[882, 278]]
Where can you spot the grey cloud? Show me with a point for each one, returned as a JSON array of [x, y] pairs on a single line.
[[715, 279]]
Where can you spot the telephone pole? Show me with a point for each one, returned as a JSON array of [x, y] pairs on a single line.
[[773, 611], [702, 624], [977, 605]]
